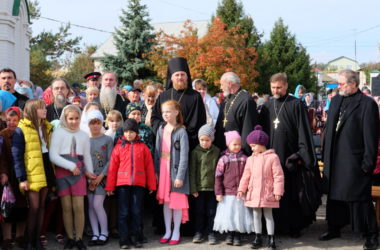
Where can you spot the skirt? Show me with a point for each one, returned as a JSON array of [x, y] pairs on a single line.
[[233, 216]]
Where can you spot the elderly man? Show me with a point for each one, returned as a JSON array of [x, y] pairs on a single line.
[[237, 111], [285, 120], [7, 83], [134, 95], [108, 97], [60, 90], [350, 150], [178, 88]]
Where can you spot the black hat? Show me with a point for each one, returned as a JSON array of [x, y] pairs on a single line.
[[175, 65], [76, 85], [131, 124], [92, 76], [135, 89]]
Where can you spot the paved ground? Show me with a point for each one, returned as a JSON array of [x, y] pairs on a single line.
[[308, 240]]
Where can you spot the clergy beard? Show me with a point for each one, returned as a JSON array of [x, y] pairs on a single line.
[[107, 97], [347, 92], [180, 85], [226, 93], [60, 101], [277, 96]]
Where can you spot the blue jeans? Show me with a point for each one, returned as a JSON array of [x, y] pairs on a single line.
[[130, 208]]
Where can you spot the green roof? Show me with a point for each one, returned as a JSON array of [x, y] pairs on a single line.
[[16, 8]]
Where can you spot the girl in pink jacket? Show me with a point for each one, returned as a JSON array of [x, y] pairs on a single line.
[[262, 184]]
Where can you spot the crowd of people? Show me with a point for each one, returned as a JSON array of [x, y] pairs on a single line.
[[89, 160]]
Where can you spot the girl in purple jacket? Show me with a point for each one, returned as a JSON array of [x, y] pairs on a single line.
[[231, 214]]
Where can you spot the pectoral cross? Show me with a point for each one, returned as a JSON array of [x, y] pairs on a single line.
[[276, 122], [337, 126], [225, 122]]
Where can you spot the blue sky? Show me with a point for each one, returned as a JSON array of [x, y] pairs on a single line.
[[327, 28]]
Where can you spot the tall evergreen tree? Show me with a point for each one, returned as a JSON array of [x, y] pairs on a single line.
[[282, 53], [232, 14], [133, 40]]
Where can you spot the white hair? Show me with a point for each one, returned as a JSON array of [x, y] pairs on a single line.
[[107, 97], [231, 77]]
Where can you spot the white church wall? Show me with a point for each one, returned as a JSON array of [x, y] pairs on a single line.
[[15, 35]]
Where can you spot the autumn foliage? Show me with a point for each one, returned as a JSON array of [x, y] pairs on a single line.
[[219, 51]]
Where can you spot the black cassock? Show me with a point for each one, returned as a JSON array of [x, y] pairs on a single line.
[[293, 138], [193, 111], [241, 116]]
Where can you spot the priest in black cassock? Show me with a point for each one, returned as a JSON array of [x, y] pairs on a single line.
[[350, 151], [285, 120], [178, 87], [237, 112]]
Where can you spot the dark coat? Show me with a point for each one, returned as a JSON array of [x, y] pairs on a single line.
[[293, 143], [120, 105], [7, 167], [350, 151], [192, 109], [53, 113]]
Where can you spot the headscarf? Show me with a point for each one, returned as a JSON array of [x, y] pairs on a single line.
[[83, 119], [25, 91], [94, 114], [296, 91], [14, 108], [63, 119], [7, 99], [174, 65]]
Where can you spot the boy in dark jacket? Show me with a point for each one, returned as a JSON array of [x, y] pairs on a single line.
[[131, 170], [203, 161]]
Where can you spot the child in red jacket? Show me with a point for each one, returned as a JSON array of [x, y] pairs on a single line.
[[131, 170]]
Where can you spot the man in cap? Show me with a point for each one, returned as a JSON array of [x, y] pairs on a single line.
[[178, 88], [77, 91], [92, 79], [134, 95]]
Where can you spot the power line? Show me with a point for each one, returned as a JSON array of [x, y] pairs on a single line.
[[185, 8], [338, 38], [76, 25]]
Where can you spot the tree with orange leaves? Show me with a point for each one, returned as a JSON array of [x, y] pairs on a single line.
[[219, 51]]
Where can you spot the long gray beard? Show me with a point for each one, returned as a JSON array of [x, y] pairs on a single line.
[[107, 98], [60, 101]]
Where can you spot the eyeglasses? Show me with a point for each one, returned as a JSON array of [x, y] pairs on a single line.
[[59, 88]]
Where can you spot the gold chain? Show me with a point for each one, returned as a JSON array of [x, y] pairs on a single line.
[[179, 100], [229, 108]]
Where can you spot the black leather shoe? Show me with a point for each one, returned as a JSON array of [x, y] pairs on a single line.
[[371, 243], [271, 243], [257, 242], [329, 235], [70, 244], [230, 239], [237, 239], [80, 245]]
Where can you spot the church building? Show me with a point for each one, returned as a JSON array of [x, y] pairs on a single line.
[[15, 34]]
